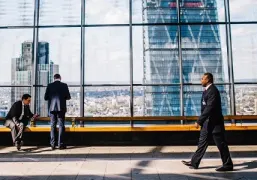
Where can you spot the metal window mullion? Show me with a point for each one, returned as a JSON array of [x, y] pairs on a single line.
[[180, 63], [230, 59], [35, 56], [131, 61], [82, 59]]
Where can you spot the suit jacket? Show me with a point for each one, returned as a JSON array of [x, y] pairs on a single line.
[[211, 111], [56, 94], [16, 111]]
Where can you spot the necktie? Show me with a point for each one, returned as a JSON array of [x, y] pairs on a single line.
[[26, 110]]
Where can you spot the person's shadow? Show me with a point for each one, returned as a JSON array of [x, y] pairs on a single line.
[[245, 165], [39, 149]]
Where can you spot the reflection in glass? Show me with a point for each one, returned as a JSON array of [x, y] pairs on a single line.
[[107, 101]]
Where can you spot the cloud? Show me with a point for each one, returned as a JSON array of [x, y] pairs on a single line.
[[107, 48], [243, 10], [107, 12], [244, 44]]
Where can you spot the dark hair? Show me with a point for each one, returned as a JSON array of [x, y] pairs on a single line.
[[25, 96], [209, 76], [57, 76]]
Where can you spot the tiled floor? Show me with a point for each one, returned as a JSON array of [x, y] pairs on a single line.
[[95, 163]]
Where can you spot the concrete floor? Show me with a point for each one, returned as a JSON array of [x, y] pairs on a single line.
[[137, 162]]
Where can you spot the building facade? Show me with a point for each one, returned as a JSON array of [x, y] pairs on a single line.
[[22, 74], [200, 49]]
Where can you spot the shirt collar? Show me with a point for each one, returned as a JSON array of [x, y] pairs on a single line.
[[207, 87], [57, 80]]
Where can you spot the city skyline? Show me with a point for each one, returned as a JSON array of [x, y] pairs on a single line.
[[23, 73], [101, 39], [107, 49]]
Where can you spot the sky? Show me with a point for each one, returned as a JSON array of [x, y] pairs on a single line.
[[107, 48]]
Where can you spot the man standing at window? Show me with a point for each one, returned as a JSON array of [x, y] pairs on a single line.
[[17, 119], [56, 94], [211, 121]]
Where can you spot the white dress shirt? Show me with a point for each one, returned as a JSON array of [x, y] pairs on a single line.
[[22, 111]]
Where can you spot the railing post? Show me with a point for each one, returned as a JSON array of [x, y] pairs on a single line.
[[32, 122], [73, 122], [81, 123]]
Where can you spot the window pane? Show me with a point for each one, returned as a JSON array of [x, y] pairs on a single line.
[[59, 52], [59, 12], [140, 101], [193, 95], [138, 55], [202, 11], [107, 55], [107, 101], [243, 10], [156, 54], [204, 50], [147, 11], [244, 47], [246, 99], [107, 12], [156, 101], [16, 13], [16, 56], [73, 105], [9, 95]]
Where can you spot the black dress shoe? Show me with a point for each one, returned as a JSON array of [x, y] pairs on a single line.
[[192, 167], [53, 148], [188, 163], [62, 147], [18, 145], [222, 168]]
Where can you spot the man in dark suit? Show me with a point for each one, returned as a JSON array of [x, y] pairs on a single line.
[[17, 119], [56, 94], [211, 121]]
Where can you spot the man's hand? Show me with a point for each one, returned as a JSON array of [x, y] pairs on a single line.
[[197, 125], [17, 124], [35, 116]]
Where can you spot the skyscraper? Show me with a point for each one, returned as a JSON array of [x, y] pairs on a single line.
[[201, 52], [22, 74]]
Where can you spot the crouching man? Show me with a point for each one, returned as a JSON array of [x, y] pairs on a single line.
[[18, 118]]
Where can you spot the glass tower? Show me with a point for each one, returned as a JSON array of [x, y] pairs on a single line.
[[201, 52]]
